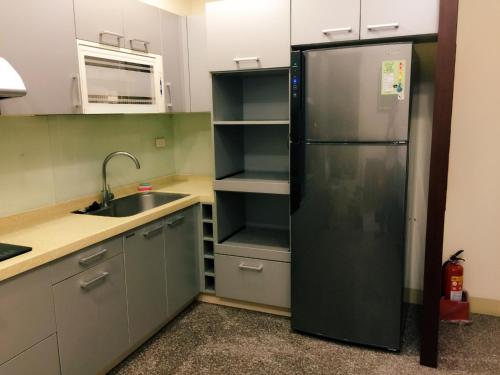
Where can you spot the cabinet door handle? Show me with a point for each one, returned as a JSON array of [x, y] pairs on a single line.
[[118, 37], [169, 90], [252, 58], [243, 266], [145, 43], [175, 221], [393, 25], [89, 283], [152, 232], [77, 103], [91, 258], [337, 30]]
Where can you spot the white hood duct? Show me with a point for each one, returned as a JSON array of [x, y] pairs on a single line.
[[11, 83]]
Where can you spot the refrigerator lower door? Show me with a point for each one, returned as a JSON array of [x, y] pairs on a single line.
[[350, 94], [348, 243]]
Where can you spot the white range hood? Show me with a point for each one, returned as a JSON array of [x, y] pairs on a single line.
[[11, 83]]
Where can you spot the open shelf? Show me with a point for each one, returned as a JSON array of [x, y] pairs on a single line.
[[208, 231], [249, 96], [244, 153], [209, 284], [253, 225], [206, 211], [255, 122], [255, 182], [209, 267], [208, 248]]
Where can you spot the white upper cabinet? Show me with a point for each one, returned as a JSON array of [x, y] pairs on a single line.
[[248, 34], [175, 62], [199, 77], [142, 27], [390, 18], [100, 21], [38, 39], [323, 21], [120, 23]]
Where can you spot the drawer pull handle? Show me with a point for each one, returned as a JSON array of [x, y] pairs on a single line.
[[243, 266], [393, 25], [175, 221], [152, 232], [88, 284], [93, 257], [118, 37], [337, 30], [145, 43], [240, 59]]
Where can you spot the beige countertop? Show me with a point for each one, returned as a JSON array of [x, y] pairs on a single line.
[[54, 232]]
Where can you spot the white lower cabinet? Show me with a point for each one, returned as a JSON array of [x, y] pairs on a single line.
[[26, 312], [146, 280], [40, 359], [181, 254], [253, 280], [91, 318]]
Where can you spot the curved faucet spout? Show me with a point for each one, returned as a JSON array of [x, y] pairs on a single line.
[[107, 195]]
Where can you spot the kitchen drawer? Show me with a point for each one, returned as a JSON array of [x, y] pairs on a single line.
[[26, 312], [86, 258], [91, 318], [253, 280], [41, 359]]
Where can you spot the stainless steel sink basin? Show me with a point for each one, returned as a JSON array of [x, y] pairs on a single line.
[[136, 203]]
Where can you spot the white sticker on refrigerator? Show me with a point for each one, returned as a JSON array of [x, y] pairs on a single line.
[[394, 78]]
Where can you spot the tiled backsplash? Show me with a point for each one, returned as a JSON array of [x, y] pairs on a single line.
[[51, 159]]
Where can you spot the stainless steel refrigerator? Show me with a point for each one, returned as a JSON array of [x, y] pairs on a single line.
[[349, 147]]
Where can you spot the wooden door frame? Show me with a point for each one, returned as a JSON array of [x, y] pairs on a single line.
[[438, 179]]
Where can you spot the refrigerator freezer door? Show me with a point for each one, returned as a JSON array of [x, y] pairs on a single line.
[[348, 243], [343, 93]]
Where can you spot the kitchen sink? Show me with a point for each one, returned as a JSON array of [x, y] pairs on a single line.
[[136, 203]]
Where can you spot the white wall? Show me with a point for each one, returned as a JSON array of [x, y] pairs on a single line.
[[473, 202], [181, 7]]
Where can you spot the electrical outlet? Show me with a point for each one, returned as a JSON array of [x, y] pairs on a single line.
[[160, 142]]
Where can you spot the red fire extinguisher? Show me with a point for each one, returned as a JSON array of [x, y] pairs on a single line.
[[453, 277]]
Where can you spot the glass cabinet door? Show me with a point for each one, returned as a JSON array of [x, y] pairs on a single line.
[[116, 82]]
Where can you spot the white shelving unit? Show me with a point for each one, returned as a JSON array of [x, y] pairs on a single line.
[[251, 146]]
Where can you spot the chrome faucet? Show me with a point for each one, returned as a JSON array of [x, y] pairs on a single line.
[[107, 195]]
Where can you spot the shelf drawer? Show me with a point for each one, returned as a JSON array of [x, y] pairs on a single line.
[[85, 259], [253, 280]]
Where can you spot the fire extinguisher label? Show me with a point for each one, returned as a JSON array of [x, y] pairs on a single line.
[[456, 288], [456, 296]]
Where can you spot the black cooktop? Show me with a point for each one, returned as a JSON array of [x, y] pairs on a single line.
[[8, 251]]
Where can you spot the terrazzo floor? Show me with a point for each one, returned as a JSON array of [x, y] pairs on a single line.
[[211, 339]]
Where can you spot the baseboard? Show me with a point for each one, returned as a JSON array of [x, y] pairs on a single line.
[[414, 296], [485, 306], [477, 305], [210, 298]]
